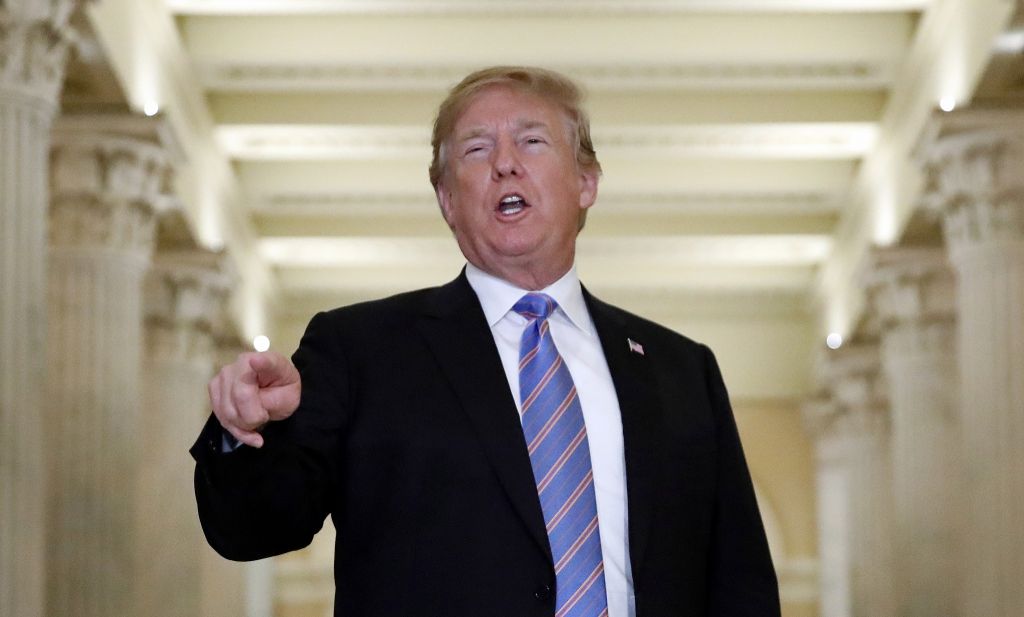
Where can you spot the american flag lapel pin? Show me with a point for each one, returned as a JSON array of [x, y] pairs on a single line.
[[635, 347]]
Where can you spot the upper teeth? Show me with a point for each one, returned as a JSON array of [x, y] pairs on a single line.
[[511, 199]]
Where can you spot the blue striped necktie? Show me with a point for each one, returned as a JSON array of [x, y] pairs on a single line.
[[560, 454]]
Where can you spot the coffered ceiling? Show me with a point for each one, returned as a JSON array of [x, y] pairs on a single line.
[[752, 149]]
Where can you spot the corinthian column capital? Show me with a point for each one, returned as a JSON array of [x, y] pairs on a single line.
[[912, 292], [109, 177], [974, 181], [857, 387], [184, 292], [34, 42], [911, 285]]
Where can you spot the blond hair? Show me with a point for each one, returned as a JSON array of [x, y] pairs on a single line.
[[548, 85]]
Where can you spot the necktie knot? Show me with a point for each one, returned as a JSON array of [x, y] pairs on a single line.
[[535, 306]]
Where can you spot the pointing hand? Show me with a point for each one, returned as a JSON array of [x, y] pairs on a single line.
[[257, 388]]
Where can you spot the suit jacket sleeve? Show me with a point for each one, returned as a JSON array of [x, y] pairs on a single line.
[[255, 503], [742, 580]]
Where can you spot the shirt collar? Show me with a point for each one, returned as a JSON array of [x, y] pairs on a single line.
[[498, 296]]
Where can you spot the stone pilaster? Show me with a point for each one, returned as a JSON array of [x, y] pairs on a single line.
[[977, 184], [820, 421], [225, 584], [106, 181], [34, 39], [912, 292], [853, 374], [183, 292]]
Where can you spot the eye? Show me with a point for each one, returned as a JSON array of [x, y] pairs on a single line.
[[534, 142]]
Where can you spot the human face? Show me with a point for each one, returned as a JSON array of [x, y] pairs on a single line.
[[511, 190]]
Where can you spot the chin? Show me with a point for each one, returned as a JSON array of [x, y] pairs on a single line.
[[517, 249]]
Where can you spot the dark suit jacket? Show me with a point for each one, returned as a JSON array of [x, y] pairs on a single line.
[[408, 436]]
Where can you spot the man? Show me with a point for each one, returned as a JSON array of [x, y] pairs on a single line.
[[504, 445]]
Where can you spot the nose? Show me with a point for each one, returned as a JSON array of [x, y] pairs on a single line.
[[506, 160]]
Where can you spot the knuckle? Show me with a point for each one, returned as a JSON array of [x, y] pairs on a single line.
[[244, 399], [224, 415]]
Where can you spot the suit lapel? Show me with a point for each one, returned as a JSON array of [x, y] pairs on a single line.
[[460, 339], [635, 386]]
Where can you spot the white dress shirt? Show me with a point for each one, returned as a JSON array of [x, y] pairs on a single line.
[[577, 341]]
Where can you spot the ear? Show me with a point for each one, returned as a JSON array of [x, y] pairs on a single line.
[[444, 201], [588, 188]]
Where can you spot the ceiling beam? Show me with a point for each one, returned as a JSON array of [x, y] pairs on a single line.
[[600, 223], [327, 285], [545, 7], [606, 108], [427, 74], [730, 202], [785, 301], [622, 176], [950, 51], [613, 253], [394, 40], [834, 140]]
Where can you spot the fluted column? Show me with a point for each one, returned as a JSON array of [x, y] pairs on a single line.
[[863, 423], [977, 183], [34, 38], [820, 420], [183, 292], [913, 292], [105, 182], [225, 584]]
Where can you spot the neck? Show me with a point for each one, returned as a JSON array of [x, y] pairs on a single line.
[[529, 278]]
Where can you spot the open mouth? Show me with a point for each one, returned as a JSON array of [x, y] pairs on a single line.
[[512, 204]]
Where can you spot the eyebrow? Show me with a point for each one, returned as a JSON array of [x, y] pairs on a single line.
[[530, 124], [521, 125], [471, 134]]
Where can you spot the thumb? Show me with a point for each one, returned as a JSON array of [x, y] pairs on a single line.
[[272, 369]]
